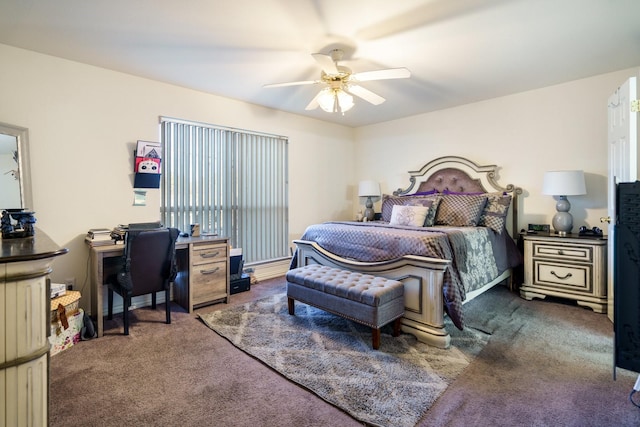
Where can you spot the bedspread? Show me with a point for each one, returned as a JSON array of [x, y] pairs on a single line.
[[474, 261]]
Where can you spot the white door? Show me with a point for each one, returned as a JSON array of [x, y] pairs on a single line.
[[623, 162]]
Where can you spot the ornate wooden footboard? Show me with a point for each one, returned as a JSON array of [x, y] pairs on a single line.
[[422, 278]]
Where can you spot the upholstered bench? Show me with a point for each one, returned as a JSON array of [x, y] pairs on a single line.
[[369, 300]]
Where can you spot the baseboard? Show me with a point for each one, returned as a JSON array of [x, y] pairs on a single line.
[[270, 270]]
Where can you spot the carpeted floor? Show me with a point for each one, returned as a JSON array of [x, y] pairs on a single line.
[[547, 363], [333, 358]]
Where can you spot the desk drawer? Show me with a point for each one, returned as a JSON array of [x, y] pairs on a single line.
[[209, 282], [576, 278], [208, 252], [563, 252]]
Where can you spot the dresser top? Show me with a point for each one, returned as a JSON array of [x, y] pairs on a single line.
[[39, 246]]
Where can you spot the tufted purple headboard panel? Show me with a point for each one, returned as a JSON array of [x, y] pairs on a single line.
[[451, 179], [457, 174]]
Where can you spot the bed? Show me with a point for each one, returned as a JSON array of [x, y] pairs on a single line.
[[447, 237]]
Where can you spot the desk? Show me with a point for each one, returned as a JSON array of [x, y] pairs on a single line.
[[196, 284]]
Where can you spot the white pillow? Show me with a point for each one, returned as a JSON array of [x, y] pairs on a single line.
[[409, 215]]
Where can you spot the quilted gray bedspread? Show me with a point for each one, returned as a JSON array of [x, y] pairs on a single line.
[[478, 255]]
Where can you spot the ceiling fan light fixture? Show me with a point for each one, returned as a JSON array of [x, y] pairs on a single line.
[[335, 100]]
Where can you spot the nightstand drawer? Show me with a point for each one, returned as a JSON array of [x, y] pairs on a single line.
[[562, 276], [563, 252]]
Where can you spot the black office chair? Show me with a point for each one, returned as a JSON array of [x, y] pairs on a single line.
[[148, 266]]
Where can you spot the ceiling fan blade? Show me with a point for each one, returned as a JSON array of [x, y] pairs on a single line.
[[306, 82], [314, 102], [365, 94], [326, 63], [391, 73]]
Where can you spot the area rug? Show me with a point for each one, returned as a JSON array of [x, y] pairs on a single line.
[[333, 358]]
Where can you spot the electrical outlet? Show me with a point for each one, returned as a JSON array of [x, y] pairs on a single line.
[[70, 282]]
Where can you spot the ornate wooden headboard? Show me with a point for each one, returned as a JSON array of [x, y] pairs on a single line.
[[458, 174]]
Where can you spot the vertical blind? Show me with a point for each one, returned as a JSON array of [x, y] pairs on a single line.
[[232, 182]]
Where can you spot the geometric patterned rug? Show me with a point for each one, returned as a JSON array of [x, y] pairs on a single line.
[[333, 358]]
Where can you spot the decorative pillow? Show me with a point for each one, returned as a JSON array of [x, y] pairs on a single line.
[[408, 215], [495, 211], [459, 210], [388, 202], [431, 203]]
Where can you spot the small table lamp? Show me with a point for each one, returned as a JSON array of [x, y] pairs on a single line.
[[563, 184], [369, 189]]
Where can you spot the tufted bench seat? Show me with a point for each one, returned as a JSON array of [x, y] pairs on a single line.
[[369, 300]]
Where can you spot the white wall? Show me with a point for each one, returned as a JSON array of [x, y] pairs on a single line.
[[84, 122], [557, 127]]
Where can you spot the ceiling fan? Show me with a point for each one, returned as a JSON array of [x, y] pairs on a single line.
[[341, 83]]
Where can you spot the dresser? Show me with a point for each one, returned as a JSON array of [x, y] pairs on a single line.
[[570, 267], [25, 313]]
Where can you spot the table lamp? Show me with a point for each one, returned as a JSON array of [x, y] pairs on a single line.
[[563, 184], [369, 189]]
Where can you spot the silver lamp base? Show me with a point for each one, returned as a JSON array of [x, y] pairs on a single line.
[[563, 220], [368, 212]]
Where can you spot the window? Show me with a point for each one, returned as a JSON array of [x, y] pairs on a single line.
[[232, 182]]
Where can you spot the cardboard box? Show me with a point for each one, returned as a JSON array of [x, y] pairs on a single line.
[[61, 338]]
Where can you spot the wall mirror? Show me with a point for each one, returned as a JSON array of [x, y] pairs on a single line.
[[15, 175]]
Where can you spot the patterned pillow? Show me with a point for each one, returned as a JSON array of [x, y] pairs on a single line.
[[409, 215], [459, 210], [388, 202], [432, 204], [495, 211]]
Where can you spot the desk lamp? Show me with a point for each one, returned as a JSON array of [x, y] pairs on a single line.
[[563, 184], [369, 189]]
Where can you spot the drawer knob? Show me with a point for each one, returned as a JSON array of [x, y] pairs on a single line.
[[210, 255], [561, 278], [213, 270]]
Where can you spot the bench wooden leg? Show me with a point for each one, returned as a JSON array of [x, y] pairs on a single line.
[[375, 333], [397, 324], [292, 309]]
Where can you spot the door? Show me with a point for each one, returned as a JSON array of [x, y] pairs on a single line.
[[622, 138]]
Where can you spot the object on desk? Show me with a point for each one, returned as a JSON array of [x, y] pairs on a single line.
[[99, 233], [195, 230], [61, 337], [58, 290]]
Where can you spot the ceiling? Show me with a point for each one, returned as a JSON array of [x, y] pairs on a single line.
[[458, 51]]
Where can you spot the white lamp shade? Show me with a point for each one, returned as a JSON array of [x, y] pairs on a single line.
[[369, 188], [564, 183], [335, 100]]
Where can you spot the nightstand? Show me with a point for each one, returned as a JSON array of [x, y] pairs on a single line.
[[571, 267]]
